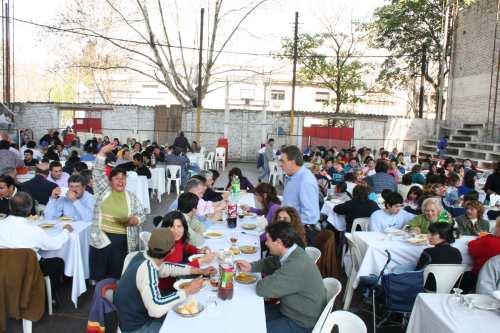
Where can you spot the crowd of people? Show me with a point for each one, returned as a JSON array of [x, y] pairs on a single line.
[[440, 198]]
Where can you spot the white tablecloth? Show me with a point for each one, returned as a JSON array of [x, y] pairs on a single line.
[[441, 313], [336, 220], [196, 158], [157, 181], [372, 246], [75, 253], [139, 186], [244, 313]]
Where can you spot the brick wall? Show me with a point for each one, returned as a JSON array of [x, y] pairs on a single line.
[[470, 83]]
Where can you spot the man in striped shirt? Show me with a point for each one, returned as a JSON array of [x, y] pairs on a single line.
[[141, 306]]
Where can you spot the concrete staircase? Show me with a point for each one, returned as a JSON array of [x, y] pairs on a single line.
[[466, 142]]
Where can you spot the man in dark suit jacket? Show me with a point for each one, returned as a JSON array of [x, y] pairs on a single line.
[[39, 187]]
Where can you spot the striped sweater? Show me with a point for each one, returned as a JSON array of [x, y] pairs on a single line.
[[138, 298]]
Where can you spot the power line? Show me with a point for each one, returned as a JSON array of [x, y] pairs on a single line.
[[117, 39]]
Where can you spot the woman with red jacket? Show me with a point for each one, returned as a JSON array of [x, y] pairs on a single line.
[[176, 222], [484, 248]]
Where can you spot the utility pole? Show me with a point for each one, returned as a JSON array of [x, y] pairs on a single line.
[[200, 59], [294, 79], [6, 52], [422, 81]]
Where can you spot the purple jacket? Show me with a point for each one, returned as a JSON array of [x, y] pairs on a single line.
[[271, 210]]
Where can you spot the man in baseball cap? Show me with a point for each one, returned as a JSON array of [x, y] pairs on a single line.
[[141, 306]]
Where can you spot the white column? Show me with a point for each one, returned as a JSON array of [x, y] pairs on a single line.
[[226, 111], [264, 114]]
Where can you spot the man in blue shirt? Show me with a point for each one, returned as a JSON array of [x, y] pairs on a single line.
[[301, 190], [77, 203]]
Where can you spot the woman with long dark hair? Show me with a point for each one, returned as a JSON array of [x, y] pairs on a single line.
[[290, 215], [177, 223], [266, 195]]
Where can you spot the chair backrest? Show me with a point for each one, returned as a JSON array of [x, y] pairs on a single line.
[[446, 275], [220, 152], [362, 222], [314, 253], [210, 156], [356, 257], [173, 171], [127, 260], [347, 322], [333, 288]]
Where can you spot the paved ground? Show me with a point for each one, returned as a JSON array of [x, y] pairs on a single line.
[[68, 319]]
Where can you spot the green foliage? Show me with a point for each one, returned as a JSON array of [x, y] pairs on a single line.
[[341, 73]]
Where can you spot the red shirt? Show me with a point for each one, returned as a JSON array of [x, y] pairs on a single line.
[[181, 251], [482, 249]]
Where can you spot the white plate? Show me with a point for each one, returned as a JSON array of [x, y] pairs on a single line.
[[483, 302], [195, 256], [417, 241], [211, 234], [181, 281]]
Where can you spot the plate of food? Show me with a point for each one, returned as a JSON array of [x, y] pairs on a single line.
[[245, 278], [249, 214], [46, 225], [66, 218], [195, 256], [483, 302], [189, 309], [213, 234], [417, 241], [182, 283], [248, 249], [235, 250], [33, 217], [249, 226]]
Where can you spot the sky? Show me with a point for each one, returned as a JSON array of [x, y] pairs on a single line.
[[262, 31]]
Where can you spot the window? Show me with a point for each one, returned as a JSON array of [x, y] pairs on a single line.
[[154, 86], [277, 95], [322, 97]]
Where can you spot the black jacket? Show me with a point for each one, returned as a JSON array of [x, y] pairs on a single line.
[[442, 253], [354, 209], [182, 142], [39, 188], [211, 195]]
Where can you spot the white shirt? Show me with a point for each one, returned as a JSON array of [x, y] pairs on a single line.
[[288, 252], [16, 232], [380, 220]]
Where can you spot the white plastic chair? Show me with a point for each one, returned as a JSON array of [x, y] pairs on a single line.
[[273, 172], [313, 253], [144, 236], [209, 161], [48, 289], [27, 326], [362, 222], [347, 322], [355, 263], [174, 175], [446, 275], [127, 260], [220, 158], [333, 288]]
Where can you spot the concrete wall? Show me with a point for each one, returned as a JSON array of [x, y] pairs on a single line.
[[37, 117], [401, 133], [472, 62]]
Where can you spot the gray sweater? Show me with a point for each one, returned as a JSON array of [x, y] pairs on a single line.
[[297, 283]]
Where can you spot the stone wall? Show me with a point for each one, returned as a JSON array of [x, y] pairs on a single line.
[[473, 63]]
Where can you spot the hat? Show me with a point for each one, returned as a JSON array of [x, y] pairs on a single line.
[[161, 240]]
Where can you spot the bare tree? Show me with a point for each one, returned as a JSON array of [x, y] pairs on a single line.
[[154, 45]]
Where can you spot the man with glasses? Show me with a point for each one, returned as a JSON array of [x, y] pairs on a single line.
[[393, 216]]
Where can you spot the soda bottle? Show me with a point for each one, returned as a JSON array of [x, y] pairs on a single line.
[[153, 160], [226, 287], [232, 213], [235, 186], [443, 217]]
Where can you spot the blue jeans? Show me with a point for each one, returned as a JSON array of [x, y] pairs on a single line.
[[278, 323], [151, 327]]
